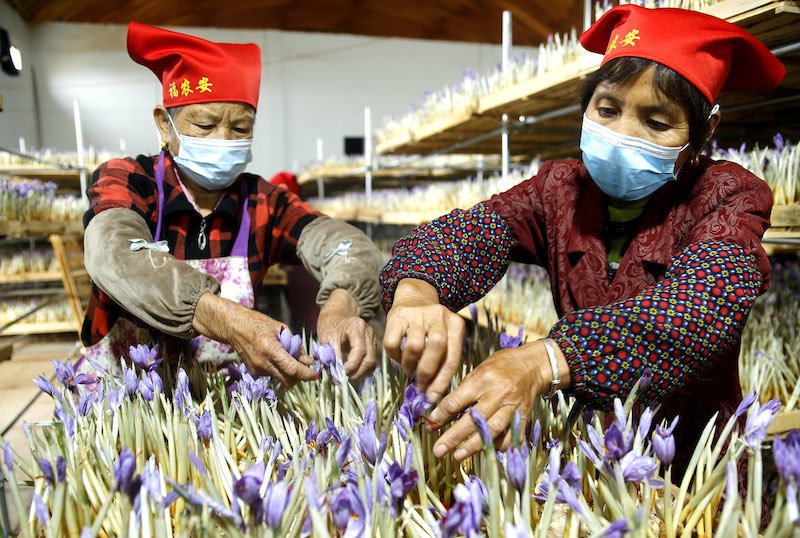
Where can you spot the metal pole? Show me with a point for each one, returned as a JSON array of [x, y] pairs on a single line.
[[76, 110], [368, 153], [504, 144], [479, 170], [506, 60]]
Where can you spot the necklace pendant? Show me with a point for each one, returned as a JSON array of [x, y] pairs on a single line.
[[201, 237]]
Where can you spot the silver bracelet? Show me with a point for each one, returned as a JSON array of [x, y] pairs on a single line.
[[551, 355]]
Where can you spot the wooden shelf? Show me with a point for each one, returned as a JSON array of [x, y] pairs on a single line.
[[396, 218], [773, 22], [52, 327], [24, 278], [39, 228], [58, 175]]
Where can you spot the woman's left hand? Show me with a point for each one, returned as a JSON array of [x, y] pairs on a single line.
[[339, 325], [508, 381]]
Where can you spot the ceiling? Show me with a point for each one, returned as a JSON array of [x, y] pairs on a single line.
[[478, 21]]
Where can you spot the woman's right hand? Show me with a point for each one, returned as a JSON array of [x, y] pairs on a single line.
[[253, 336], [433, 335]]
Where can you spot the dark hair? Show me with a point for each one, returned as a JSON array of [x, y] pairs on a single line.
[[671, 85]]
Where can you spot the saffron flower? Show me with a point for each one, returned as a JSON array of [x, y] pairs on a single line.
[[68, 376], [414, 405], [370, 446], [145, 357], [517, 466], [248, 487], [466, 513], [42, 514], [202, 421], [124, 474], [45, 386], [746, 403], [508, 341], [755, 428], [617, 529], [8, 456], [275, 502], [787, 461], [664, 442], [131, 381], [290, 342], [482, 425], [49, 475]]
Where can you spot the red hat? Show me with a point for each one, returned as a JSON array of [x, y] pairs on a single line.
[[710, 53], [193, 70], [288, 180]]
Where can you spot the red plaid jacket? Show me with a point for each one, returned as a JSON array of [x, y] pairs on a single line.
[[276, 219]]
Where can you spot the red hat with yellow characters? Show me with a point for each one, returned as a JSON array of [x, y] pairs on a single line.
[[193, 70], [709, 52]]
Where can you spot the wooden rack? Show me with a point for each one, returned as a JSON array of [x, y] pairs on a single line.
[[550, 99]]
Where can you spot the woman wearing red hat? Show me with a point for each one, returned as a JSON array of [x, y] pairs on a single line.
[[652, 249], [177, 244]]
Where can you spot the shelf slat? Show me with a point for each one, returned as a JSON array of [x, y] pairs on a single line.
[[51, 276], [52, 327], [39, 228]]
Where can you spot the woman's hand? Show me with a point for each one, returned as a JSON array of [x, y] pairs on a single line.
[[433, 337], [253, 336], [508, 381], [340, 325]]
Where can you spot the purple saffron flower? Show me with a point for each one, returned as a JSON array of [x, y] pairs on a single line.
[[617, 442], [8, 457], [124, 471], [248, 487], [636, 468], [42, 513], [664, 442], [66, 420], [204, 425], [482, 425], [731, 482], [338, 375], [325, 354], [746, 403], [507, 341], [755, 427], [290, 342], [645, 380], [155, 380], [343, 452], [145, 357], [787, 457], [45, 386], [151, 480], [400, 482], [182, 396], [340, 509], [131, 382], [618, 529], [67, 376], [311, 433], [466, 513], [645, 421], [275, 502], [115, 398], [146, 388], [371, 447], [517, 466], [85, 402], [415, 404], [537, 431]]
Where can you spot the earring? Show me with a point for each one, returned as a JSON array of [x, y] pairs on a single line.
[[164, 145], [695, 160]]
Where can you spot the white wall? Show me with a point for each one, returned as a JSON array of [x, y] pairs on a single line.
[[313, 85], [18, 117]]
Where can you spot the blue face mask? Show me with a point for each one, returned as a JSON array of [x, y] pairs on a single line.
[[625, 167], [211, 163]]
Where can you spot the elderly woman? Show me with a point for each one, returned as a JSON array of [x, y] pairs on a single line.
[[653, 250], [177, 244]]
